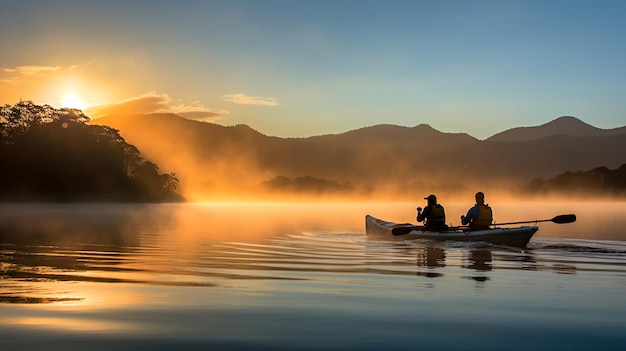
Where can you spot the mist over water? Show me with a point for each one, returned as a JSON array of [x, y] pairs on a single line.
[[379, 162], [305, 276]]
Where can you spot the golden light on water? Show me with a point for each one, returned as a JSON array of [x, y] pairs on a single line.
[[73, 324]]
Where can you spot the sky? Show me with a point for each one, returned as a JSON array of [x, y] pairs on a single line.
[[300, 68]]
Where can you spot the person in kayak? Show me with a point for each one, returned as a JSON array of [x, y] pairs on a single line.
[[434, 215], [480, 216]]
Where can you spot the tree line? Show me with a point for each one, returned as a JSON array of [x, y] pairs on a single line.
[[599, 181], [49, 154]]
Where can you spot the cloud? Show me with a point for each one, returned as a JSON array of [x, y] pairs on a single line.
[[147, 103], [197, 111], [26, 74], [31, 70], [15, 75], [244, 99], [153, 102]]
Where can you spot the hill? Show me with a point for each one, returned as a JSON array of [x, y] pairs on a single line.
[[566, 125], [221, 159], [400, 162]]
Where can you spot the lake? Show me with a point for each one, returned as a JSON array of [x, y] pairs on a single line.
[[284, 276]]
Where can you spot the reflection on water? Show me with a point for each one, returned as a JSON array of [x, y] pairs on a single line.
[[209, 245], [87, 261]]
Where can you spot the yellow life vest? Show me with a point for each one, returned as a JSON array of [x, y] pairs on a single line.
[[484, 219], [437, 216]]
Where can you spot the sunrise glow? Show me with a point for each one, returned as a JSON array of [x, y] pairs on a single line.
[[73, 101]]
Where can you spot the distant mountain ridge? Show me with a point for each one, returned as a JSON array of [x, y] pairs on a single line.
[[408, 137], [565, 125], [389, 159]]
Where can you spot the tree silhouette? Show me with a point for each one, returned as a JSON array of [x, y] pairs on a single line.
[[49, 154], [598, 181]]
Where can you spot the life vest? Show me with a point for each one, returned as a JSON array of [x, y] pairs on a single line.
[[484, 218], [437, 216]]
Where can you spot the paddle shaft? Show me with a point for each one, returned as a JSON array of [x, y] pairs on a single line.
[[523, 222], [561, 219]]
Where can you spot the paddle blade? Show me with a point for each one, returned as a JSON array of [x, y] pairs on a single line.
[[566, 218], [401, 230]]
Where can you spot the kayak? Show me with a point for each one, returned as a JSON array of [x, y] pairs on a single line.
[[515, 236]]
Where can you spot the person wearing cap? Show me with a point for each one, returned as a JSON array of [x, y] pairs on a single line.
[[480, 216], [433, 216]]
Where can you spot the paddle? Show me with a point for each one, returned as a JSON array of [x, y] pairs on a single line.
[[560, 219]]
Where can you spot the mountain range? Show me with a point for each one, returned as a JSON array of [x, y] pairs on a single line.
[[565, 125], [212, 160]]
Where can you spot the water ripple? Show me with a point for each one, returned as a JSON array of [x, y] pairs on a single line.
[[25, 270]]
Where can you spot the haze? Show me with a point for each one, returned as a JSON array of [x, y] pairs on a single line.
[[381, 162]]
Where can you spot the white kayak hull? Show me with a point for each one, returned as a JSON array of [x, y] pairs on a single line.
[[516, 236]]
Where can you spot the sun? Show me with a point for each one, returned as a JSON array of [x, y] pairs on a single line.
[[73, 101]]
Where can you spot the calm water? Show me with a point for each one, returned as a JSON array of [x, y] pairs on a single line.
[[304, 276]]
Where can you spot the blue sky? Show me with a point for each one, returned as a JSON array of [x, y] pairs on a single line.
[[301, 68]]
